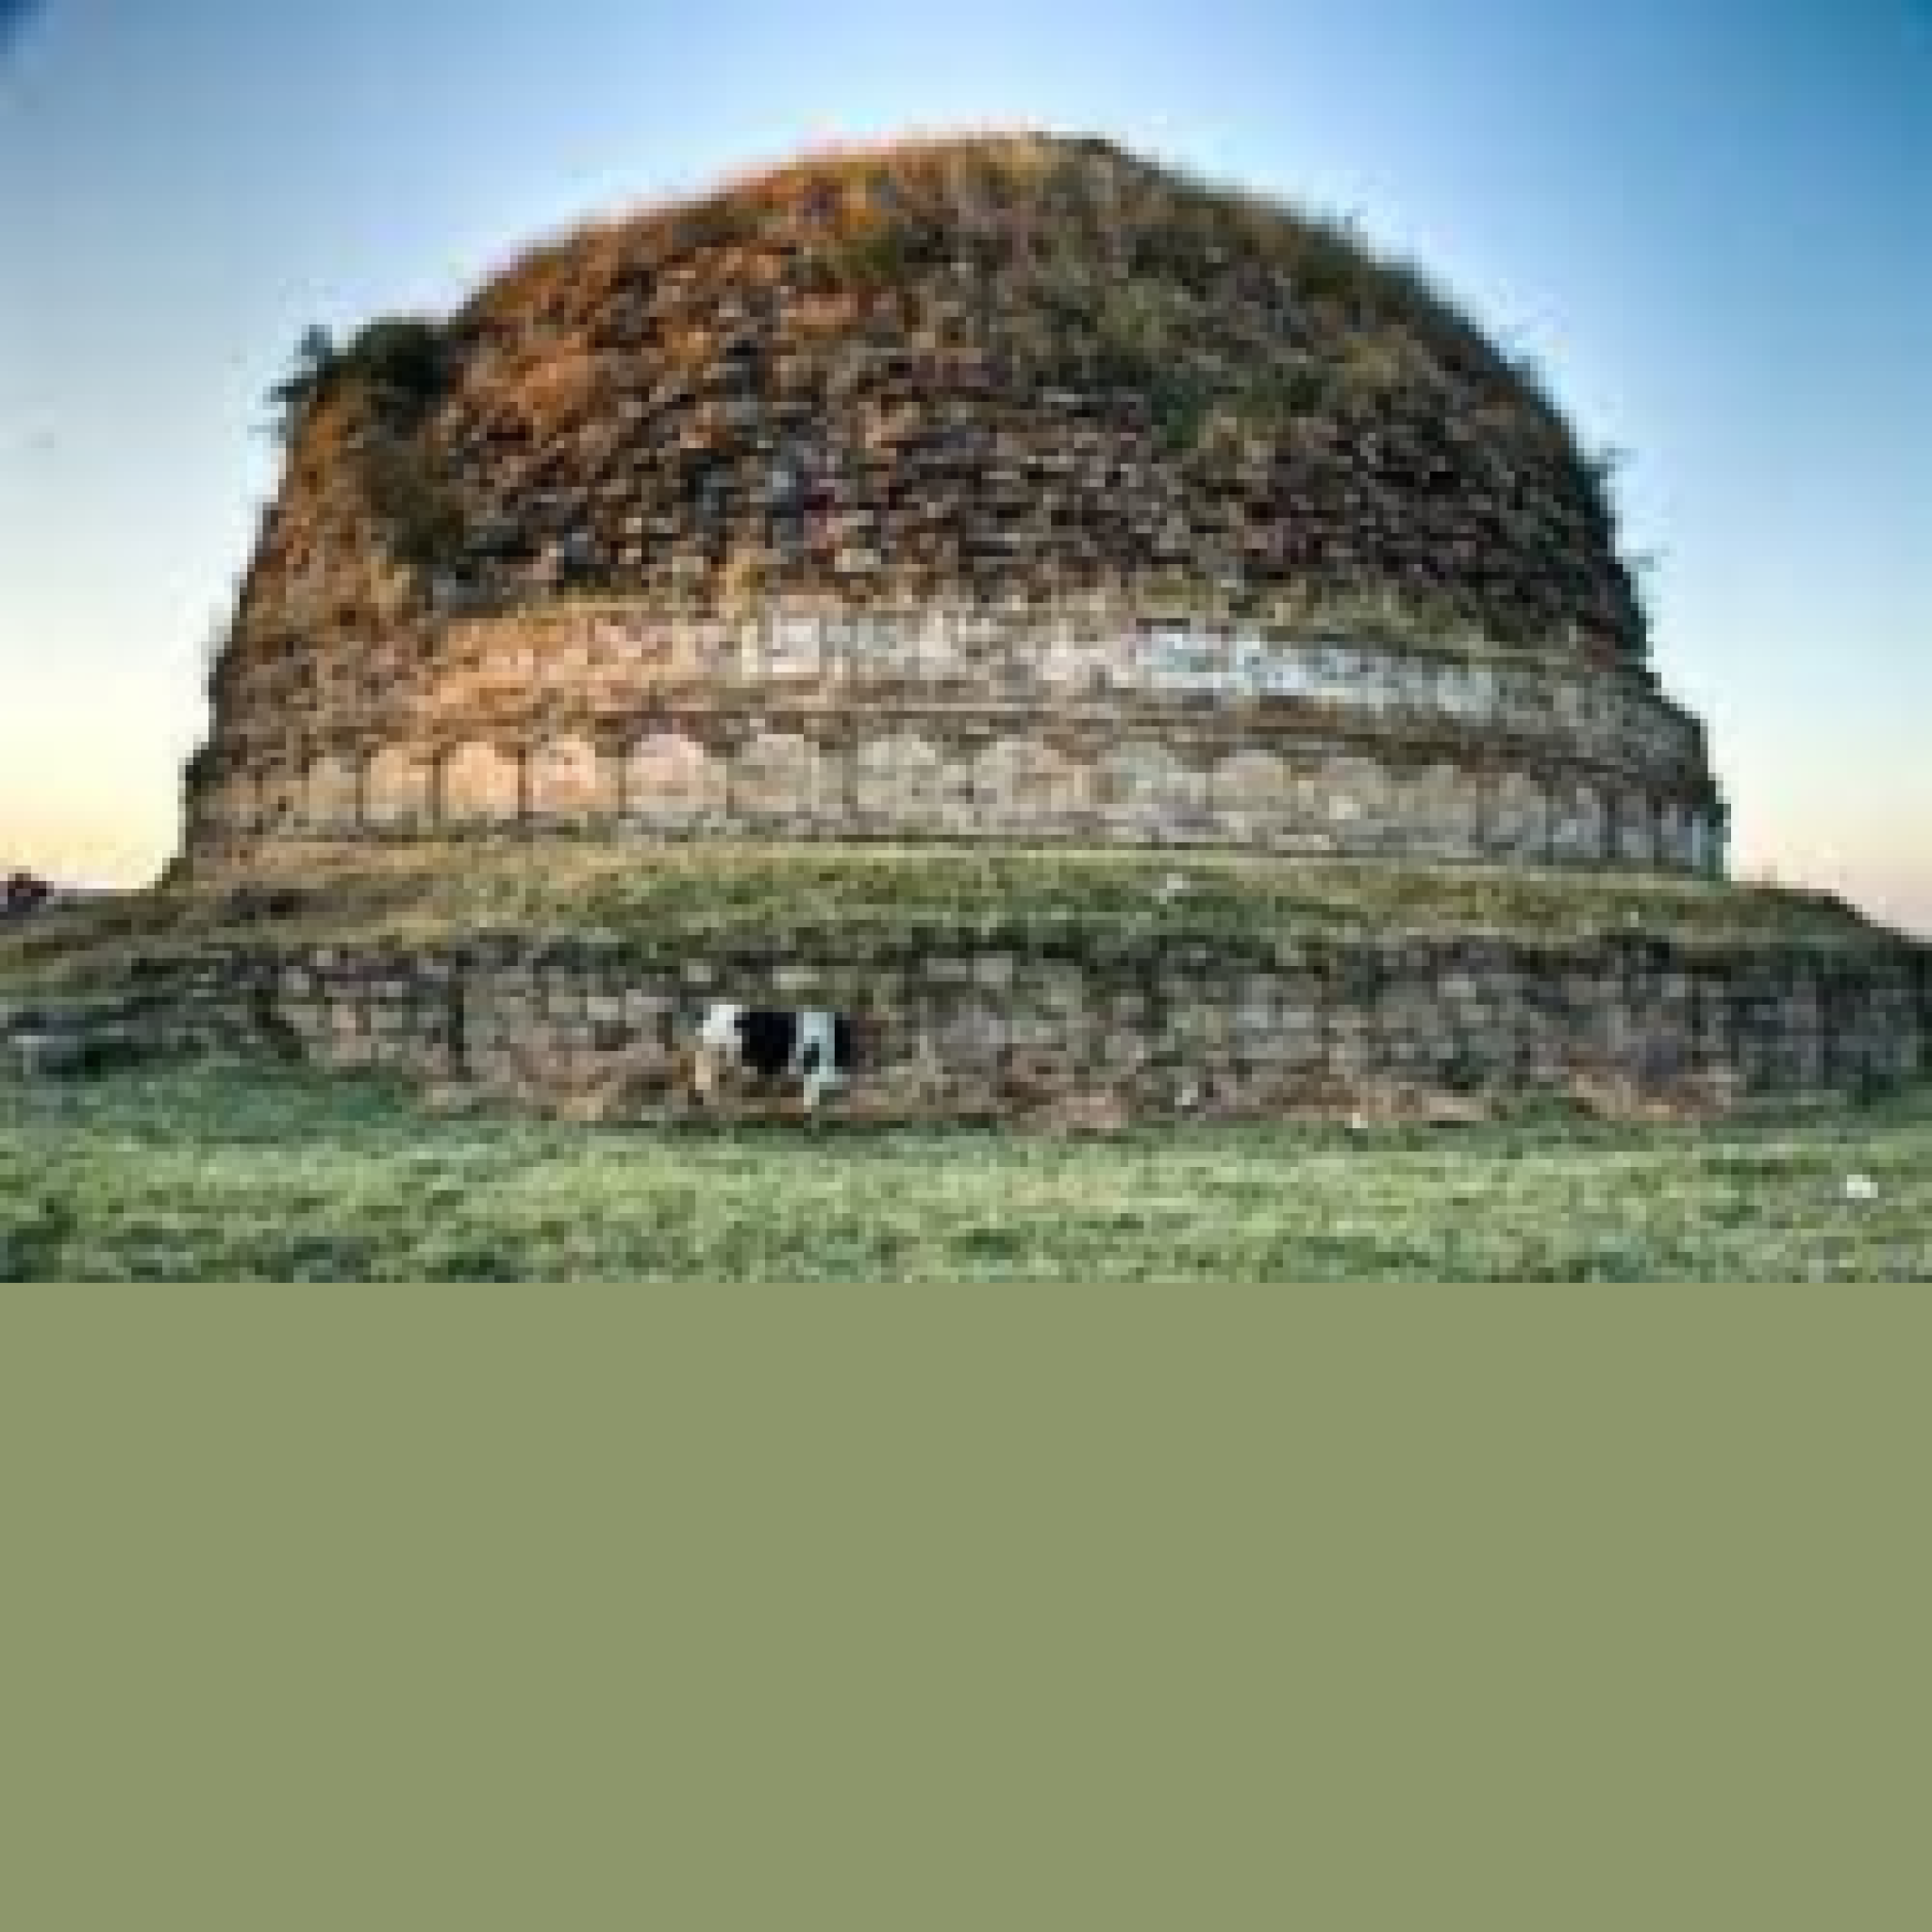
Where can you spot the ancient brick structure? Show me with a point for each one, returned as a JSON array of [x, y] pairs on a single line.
[[994, 488], [1160, 1025]]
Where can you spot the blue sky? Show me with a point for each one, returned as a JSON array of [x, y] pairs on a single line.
[[1710, 223]]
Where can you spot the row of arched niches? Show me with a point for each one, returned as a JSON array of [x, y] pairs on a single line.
[[813, 727]]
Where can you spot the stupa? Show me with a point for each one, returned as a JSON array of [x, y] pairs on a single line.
[[1002, 489]]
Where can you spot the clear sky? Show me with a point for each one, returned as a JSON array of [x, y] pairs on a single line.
[[1708, 220]]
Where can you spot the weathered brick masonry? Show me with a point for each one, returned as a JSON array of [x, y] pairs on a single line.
[[1163, 1026]]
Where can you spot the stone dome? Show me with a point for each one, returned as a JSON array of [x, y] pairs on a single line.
[[1009, 488]]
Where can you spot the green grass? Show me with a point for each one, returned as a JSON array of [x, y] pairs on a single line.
[[758, 894], [219, 1168]]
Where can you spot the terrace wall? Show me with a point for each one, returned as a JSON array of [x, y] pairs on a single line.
[[1153, 1026]]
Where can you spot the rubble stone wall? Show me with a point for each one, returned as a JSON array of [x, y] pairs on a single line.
[[1160, 1026]]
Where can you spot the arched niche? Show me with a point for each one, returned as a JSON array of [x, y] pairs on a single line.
[[1023, 780], [1579, 821], [777, 773], [399, 787], [1673, 837], [1519, 822], [901, 775], [1142, 778], [482, 783], [1441, 809], [1249, 788], [569, 778], [669, 774], [1359, 800], [334, 792], [1636, 829]]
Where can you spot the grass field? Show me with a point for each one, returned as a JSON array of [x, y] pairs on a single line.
[[225, 1170]]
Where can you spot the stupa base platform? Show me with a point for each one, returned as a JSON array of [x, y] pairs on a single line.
[[1086, 987]]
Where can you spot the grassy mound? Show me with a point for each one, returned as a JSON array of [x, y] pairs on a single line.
[[764, 896]]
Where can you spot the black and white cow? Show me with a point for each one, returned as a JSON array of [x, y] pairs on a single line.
[[771, 1043]]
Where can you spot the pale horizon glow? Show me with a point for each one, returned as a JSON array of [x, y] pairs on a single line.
[[1709, 223]]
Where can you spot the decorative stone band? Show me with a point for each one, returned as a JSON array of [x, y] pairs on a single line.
[[971, 725]]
